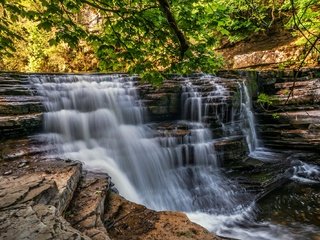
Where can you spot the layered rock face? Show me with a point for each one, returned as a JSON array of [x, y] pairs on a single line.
[[292, 120], [288, 121], [163, 103], [20, 108], [219, 104]]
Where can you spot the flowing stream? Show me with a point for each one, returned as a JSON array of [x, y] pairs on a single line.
[[100, 120]]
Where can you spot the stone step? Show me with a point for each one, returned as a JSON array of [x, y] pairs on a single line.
[[295, 118], [312, 84], [20, 91], [212, 86], [19, 108], [298, 144], [19, 99], [294, 134], [20, 125], [4, 81], [88, 205], [287, 108]]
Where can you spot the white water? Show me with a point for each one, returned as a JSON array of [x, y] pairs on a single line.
[[99, 120], [248, 116], [256, 148], [306, 173]]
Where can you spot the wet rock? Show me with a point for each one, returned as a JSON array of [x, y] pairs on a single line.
[[18, 108], [13, 126], [173, 129], [161, 103], [289, 121], [231, 149], [301, 205], [23, 164]]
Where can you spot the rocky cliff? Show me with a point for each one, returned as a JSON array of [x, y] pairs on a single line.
[[292, 117]]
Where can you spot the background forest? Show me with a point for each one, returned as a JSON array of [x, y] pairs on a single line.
[[141, 36]]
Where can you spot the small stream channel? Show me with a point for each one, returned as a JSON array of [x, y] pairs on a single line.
[[101, 121]]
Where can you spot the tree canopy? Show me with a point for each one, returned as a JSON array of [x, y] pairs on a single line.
[[140, 35]]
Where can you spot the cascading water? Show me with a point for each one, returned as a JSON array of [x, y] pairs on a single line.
[[246, 106], [256, 149], [99, 120]]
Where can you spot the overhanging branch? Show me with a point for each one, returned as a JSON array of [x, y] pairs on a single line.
[[184, 45]]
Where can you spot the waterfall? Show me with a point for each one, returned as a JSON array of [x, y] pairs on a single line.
[[256, 149], [100, 120], [248, 129]]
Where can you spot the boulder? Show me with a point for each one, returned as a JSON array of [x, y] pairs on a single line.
[[127, 220]]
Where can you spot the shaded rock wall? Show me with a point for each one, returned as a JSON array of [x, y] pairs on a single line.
[[289, 122], [162, 103]]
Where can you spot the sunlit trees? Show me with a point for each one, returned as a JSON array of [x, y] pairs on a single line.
[[140, 36]]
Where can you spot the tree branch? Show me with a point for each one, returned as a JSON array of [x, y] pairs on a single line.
[[184, 45]]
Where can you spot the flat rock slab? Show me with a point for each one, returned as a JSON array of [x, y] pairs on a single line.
[[19, 190], [127, 220], [33, 199]]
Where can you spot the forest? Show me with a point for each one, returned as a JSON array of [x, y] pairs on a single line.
[[145, 37]]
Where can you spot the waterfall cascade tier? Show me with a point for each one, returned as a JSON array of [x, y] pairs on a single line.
[[100, 120]]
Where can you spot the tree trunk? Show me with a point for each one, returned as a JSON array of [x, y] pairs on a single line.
[[184, 45]]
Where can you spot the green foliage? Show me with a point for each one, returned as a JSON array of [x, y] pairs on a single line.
[[134, 35], [9, 15], [127, 36], [156, 78], [265, 99], [306, 17], [275, 116], [237, 19], [305, 21]]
